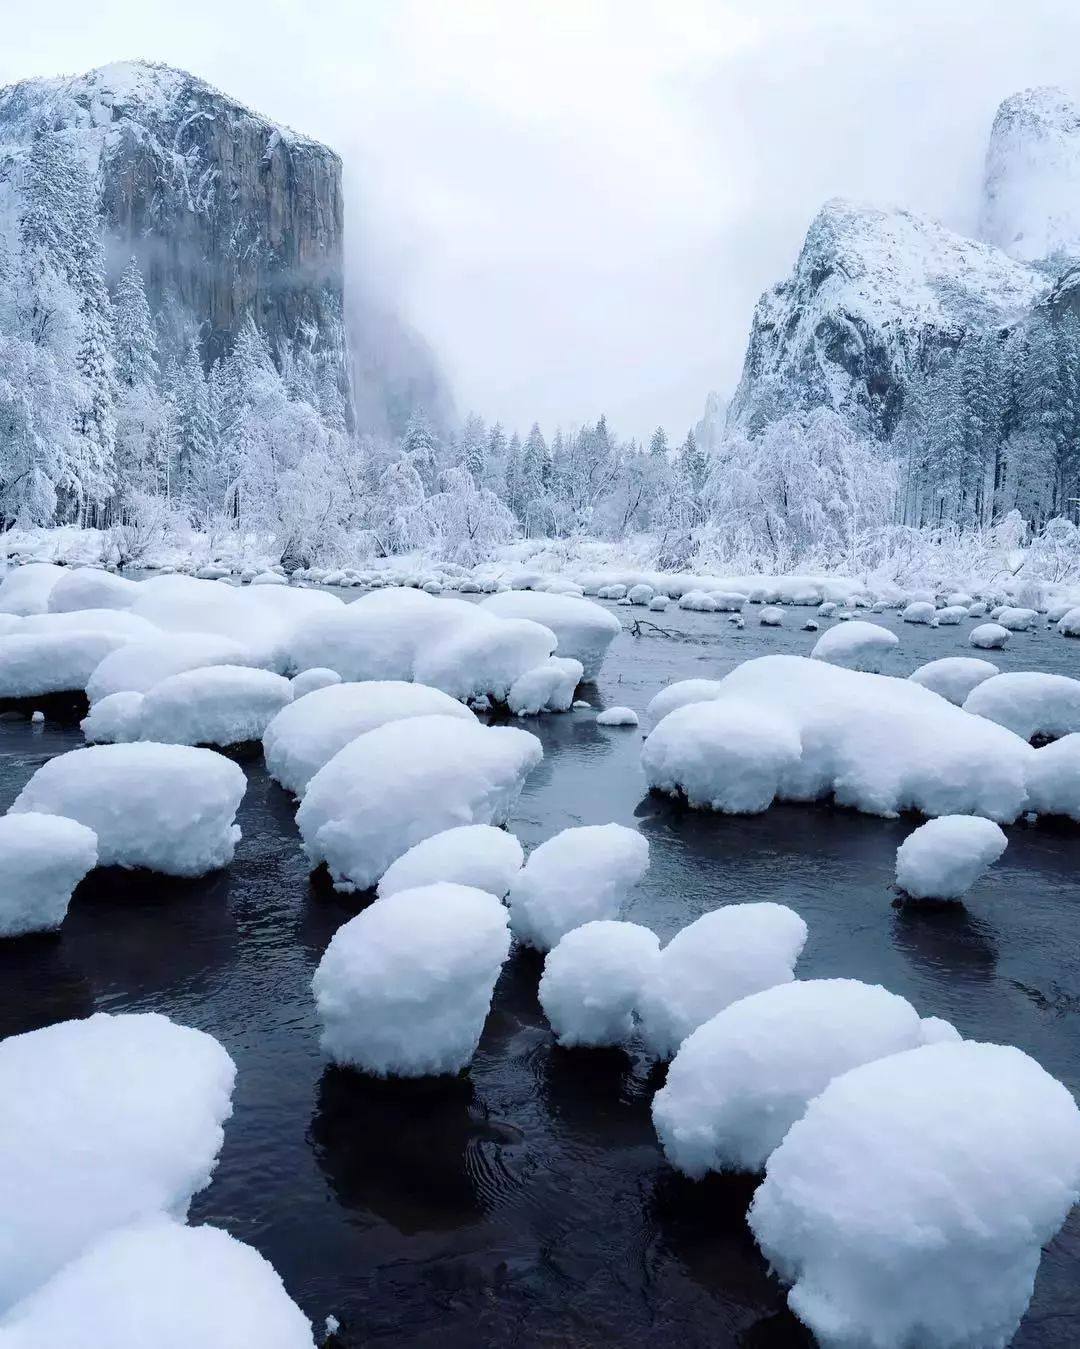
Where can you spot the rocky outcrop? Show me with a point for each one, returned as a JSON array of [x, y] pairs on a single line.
[[228, 213], [1031, 185], [874, 295]]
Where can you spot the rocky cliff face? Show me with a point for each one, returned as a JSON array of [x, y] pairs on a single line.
[[1031, 193], [228, 213], [873, 296]]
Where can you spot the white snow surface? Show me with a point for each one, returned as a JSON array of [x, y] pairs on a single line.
[[594, 979], [308, 733], [405, 781], [953, 677], [988, 637], [307, 681], [910, 1203], [943, 858], [114, 720], [32, 664], [404, 988], [26, 590], [546, 688], [159, 1284], [617, 716], [42, 860], [169, 808], [1029, 702], [478, 855], [1013, 619], [919, 611], [91, 588], [1069, 623], [741, 1080], [1054, 778], [879, 744], [105, 1121], [214, 705], [681, 694], [577, 876], [856, 645], [140, 665], [723, 755], [724, 955], [584, 630], [118, 621]]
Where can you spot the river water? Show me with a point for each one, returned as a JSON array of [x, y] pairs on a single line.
[[527, 1203]]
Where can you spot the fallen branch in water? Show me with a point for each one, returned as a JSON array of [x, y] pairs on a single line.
[[637, 629]]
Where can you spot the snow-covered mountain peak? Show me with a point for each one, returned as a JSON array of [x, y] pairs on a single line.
[[871, 292], [1031, 190]]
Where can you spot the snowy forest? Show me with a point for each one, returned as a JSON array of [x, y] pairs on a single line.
[[110, 418]]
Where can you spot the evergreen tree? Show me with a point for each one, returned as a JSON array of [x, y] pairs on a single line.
[[474, 448], [136, 345]]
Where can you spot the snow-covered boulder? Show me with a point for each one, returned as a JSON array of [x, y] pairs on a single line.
[[1069, 623], [584, 630], [1029, 702], [307, 681], [91, 588], [920, 611], [593, 981], [943, 858], [160, 1284], [170, 808], [269, 578], [33, 664], [307, 733], [952, 615], [698, 601], [1017, 620], [723, 956], [953, 677], [617, 716], [404, 988], [879, 744], [117, 621], [988, 637], [575, 877], [639, 594], [42, 860], [114, 720], [722, 755], [771, 616], [140, 665], [405, 781], [485, 657], [1054, 778], [478, 855], [105, 1121], [856, 646], [910, 1203], [547, 688], [216, 705], [681, 694], [742, 1079], [26, 590], [659, 603]]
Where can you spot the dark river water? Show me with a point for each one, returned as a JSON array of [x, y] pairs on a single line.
[[527, 1203]]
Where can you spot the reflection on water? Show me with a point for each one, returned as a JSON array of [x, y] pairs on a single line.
[[526, 1202]]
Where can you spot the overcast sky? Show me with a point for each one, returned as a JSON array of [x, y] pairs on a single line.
[[578, 201]]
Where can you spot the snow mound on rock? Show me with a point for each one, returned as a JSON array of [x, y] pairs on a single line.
[[575, 877], [160, 1285], [593, 981], [1029, 703], [170, 808], [1016, 620], [879, 744], [142, 664], [547, 688], [307, 681], [920, 611], [1054, 778], [114, 720], [953, 677], [681, 694], [1069, 623], [105, 1121], [311, 730], [742, 1079], [214, 705], [404, 988], [117, 621], [943, 858], [722, 956], [617, 716], [477, 855], [988, 637], [42, 859], [33, 664], [722, 755], [910, 1203], [26, 590], [584, 630], [91, 588], [405, 781], [856, 646]]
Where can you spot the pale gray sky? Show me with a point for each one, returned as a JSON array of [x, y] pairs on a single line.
[[578, 201]]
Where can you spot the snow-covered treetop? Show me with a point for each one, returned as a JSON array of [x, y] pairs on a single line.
[[1031, 191]]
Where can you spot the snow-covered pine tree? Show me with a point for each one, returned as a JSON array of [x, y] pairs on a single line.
[[136, 345]]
